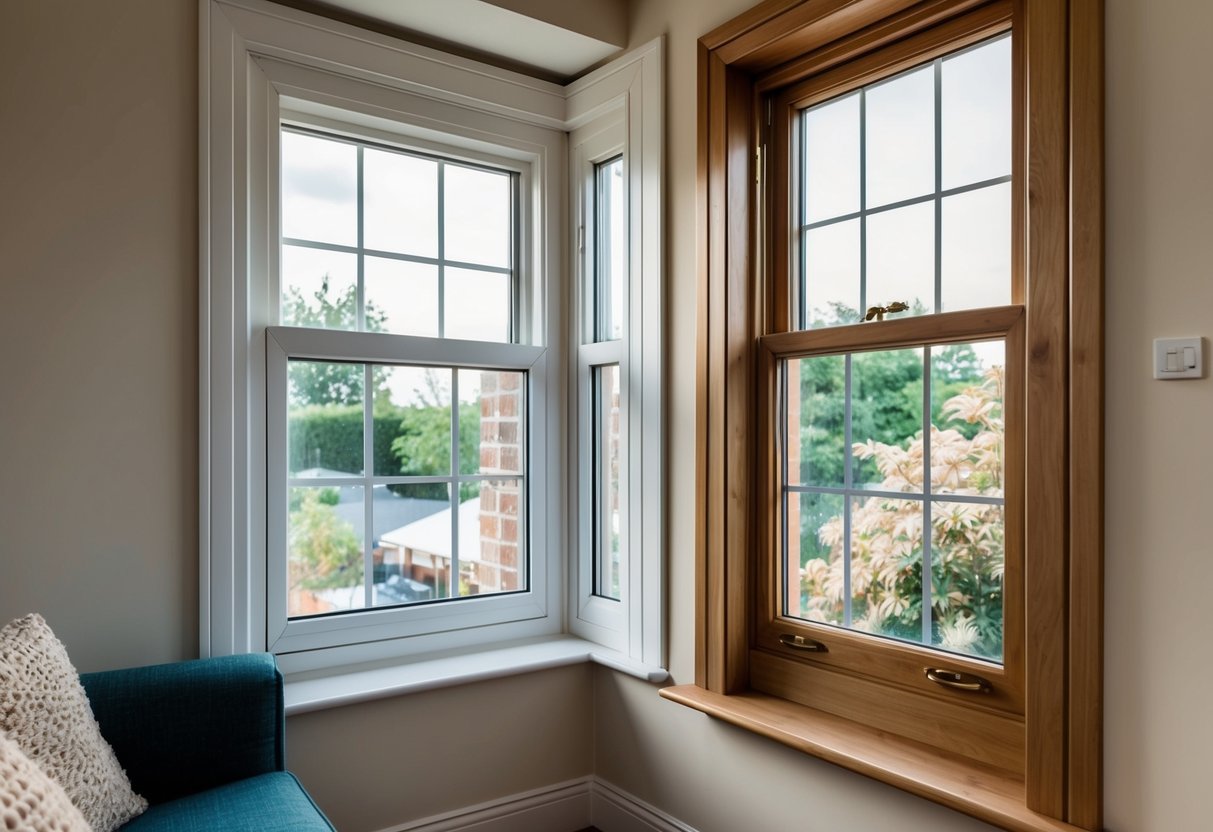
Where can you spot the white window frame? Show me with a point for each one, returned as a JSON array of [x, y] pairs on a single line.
[[619, 113], [263, 64]]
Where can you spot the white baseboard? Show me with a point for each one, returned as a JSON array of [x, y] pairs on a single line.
[[614, 810], [563, 807]]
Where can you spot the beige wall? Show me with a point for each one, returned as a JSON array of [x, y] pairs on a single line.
[[98, 325], [98, 439]]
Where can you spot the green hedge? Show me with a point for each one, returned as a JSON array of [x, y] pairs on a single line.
[[330, 436]]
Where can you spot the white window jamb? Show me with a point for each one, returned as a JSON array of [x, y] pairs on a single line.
[[617, 110]]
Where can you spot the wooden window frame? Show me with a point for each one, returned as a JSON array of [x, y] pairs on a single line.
[[1040, 767]]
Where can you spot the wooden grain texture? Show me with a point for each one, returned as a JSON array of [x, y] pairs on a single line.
[[921, 16], [803, 28], [985, 792], [718, 372], [946, 327], [956, 33], [703, 369], [1015, 489], [1047, 540], [954, 726], [745, 22], [743, 310], [1085, 793]]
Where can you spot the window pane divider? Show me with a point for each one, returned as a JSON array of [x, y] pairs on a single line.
[[385, 348], [944, 497], [396, 255]]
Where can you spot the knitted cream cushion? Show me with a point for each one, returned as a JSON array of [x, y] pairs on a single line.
[[29, 800], [44, 710]]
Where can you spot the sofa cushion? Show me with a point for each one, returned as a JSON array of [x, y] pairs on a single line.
[[44, 710], [30, 801], [266, 803]]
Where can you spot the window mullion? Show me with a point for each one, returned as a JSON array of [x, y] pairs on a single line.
[[453, 569], [926, 497], [442, 250], [848, 483], [368, 473]]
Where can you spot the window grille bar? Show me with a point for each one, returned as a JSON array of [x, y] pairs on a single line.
[[783, 443], [893, 495], [360, 307], [368, 493], [938, 185], [847, 477], [926, 492], [905, 203], [453, 569], [395, 255], [863, 264], [442, 261]]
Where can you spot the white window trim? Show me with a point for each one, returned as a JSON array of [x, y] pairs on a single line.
[[618, 110], [260, 61]]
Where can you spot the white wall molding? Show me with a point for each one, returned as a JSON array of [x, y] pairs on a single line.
[[614, 810], [561, 807]]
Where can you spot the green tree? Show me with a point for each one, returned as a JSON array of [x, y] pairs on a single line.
[[327, 382], [325, 552], [887, 535], [423, 445]]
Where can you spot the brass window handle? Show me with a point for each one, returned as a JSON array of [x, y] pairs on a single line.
[[801, 643], [956, 680]]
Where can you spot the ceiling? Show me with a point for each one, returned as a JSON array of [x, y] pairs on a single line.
[[556, 39]]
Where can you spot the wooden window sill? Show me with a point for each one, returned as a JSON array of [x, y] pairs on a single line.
[[989, 794]]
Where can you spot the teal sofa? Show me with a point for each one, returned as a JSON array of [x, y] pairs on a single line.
[[203, 742]]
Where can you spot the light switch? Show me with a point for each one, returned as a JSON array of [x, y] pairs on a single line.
[[1176, 358]]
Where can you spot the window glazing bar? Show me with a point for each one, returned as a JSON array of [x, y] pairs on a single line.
[[905, 203], [394, 255]]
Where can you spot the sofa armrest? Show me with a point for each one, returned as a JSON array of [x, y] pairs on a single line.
[[182, 728]]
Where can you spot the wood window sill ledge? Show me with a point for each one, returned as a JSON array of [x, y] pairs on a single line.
[[986, 793]]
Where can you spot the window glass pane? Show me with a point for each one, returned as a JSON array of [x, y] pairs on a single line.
[[324, 418], [606, 521], [816, 420], [831, 274], [901, 258], [886, 567], [412, 421], [610, 251], [492, 430], [886, 420], [319, 189], [967, 388], [319, 288], [401, 297], [478, 206], [416, 553], [404, 573], [967, 557], [400, 203], [831, 159], [477, 306], [491, 550], [976, 256], [325, 550], [900, 138], [816, 576], [976, 114]]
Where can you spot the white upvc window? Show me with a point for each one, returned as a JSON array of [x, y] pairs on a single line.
[[617, 366], [391, 399]]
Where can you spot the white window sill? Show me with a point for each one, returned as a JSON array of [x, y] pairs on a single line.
[[314, 691]]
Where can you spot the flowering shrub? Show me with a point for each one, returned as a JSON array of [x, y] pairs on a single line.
[[966, 453]]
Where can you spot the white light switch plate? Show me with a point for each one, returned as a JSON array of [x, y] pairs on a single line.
[[1176, 358]]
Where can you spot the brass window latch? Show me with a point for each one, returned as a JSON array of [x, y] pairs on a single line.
[[878, 312]]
